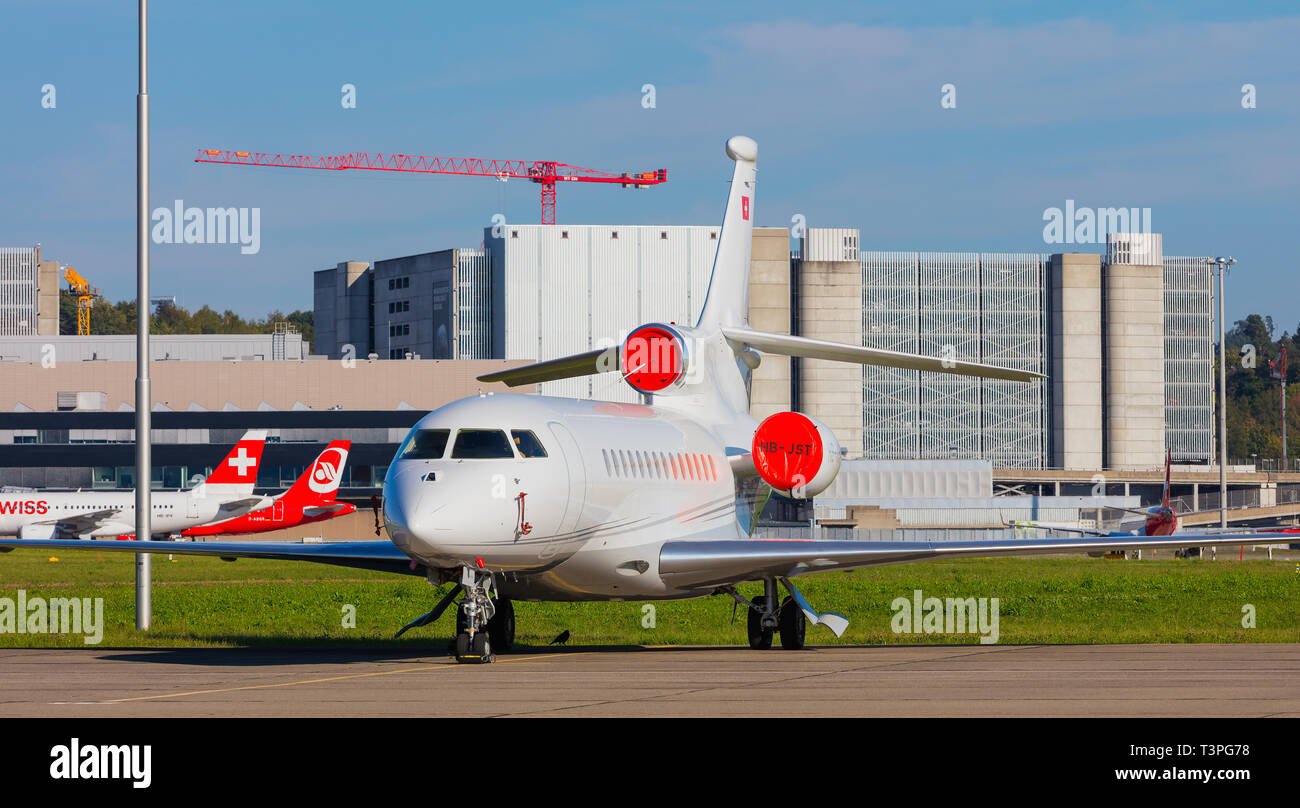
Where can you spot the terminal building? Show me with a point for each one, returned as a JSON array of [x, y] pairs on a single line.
[[536, 292]]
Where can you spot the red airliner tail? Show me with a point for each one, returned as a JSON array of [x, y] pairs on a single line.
[[320, 482], [239, 468]]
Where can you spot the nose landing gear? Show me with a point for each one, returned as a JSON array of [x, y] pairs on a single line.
[[474, 618]]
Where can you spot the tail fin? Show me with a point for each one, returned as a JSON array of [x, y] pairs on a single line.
[[320, 482], [727, 301], [1169, 458], [239, 468]]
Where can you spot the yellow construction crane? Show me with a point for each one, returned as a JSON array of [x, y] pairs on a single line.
[[86, 295]]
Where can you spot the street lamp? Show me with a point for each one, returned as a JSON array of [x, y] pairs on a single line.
[[143, 397], [1222, 264]]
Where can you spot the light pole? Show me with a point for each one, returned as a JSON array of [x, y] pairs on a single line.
[[1222, 264], [143, 399]]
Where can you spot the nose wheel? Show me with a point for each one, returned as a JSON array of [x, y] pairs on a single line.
[[474, 619]]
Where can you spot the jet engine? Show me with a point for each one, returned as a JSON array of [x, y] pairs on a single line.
[[653, 358], [795, 454]]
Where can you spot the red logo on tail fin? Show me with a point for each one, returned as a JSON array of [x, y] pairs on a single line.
[[240, 466]]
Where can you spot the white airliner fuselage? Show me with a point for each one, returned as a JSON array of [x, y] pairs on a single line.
[[33, 515], [227, 493]]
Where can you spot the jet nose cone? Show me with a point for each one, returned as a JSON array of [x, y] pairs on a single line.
[[407, 518]]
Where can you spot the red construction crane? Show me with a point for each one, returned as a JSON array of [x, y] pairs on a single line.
[[544, 172]]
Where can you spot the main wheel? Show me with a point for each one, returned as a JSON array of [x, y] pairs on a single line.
[[481, 647], [793, 625], [759, 637], [501, 628]]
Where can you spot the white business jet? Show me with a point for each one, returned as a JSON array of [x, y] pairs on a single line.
[[540, 498]]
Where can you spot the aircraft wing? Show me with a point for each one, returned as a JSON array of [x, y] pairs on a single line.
[[374, 555], [1084, 531], [727, 561], [83, 522], [239, 507], [840, 352], [600, 360]]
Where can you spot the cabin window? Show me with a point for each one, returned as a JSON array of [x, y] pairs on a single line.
[[481, 444], [424, 444], [713, 470], [527, 443]]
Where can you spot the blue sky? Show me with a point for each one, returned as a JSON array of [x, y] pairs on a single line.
[[1134, 105]]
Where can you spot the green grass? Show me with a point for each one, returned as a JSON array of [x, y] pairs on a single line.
[[208, 602]]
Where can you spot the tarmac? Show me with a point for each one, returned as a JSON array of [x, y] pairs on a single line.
[[678, 681]]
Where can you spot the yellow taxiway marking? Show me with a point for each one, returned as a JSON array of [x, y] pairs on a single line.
[[316, 681]]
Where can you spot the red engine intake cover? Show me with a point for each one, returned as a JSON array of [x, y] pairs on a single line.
[[787, 450], [652, 359]]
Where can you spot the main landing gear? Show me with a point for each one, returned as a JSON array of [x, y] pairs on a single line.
[[766, 618]]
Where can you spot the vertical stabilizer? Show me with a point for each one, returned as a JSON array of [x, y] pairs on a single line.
[[727, 300], [320, 482], [1169, 459]]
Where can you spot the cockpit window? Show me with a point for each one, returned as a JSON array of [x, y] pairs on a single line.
[[478, 444], [424, 444], [527, 443]]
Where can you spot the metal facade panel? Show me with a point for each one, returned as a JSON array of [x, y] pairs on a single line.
[[949, 325], [563, 303], [890, 321], [521, 246], [1012, 324], [830, 244], [19, 279], [988, 307], [665, 260], [703, 249], [616, 278], [473, 280], [1189, 359]]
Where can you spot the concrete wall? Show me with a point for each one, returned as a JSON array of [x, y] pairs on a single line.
[[420, 273], [249, 385], [769, 310], [1133, 357], [1074, 369], [341, 307], [830, 307], [47, 299]]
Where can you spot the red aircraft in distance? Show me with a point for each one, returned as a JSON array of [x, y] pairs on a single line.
[[309, 499]]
